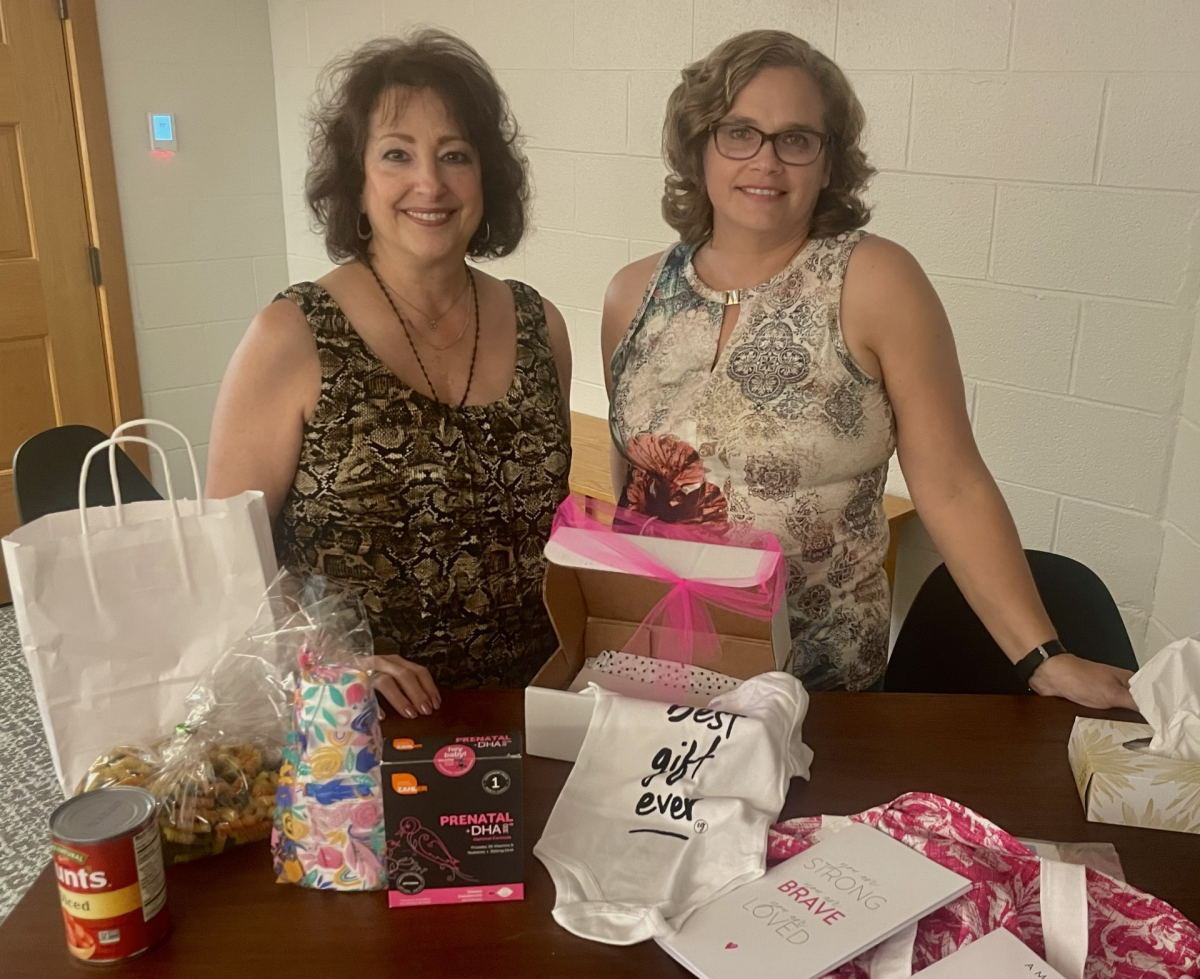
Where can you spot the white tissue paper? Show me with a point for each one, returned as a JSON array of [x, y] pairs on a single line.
[[1167, 693]]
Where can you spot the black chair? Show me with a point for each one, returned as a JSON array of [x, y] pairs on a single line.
[[944, 648], [46, 473]]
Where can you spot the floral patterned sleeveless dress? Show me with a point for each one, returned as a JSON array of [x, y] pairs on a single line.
[[436, 515], [786, 433]]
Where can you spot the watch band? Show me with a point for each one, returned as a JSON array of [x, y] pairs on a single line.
[[1025, 667]]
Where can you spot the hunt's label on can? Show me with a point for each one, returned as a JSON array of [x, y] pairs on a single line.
[[109, 865]]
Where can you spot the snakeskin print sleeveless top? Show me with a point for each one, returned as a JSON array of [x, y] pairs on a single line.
[[786, 432], [436, 515]]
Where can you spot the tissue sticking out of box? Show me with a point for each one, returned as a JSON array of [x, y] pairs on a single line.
[[1167, 692]]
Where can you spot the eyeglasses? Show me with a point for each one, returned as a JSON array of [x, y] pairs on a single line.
[[795, 147]]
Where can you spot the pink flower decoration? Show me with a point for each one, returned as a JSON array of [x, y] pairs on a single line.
[[354, 693], [329, 857], [364, 816]]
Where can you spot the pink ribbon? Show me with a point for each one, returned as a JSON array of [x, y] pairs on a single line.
[[682, 614]]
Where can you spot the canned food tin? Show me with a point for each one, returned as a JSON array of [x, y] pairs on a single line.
[[109, 865]]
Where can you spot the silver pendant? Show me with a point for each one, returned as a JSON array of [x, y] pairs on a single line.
[[733, 297]]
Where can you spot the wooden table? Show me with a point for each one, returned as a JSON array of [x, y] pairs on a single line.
[[1005, 757]]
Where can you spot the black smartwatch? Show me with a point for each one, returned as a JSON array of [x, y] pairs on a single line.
[[1025, 668]]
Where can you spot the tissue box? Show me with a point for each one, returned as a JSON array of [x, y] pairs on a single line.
[[1127, 786], [595, 607]]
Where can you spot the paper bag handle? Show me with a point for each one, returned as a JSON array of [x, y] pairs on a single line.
[[112, 462], [85, 531]]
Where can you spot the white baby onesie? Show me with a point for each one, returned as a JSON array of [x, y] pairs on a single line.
[[668, 807]]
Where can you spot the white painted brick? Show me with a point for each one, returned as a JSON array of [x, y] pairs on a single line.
[[507, 33], [302, 237], [589, 364], [156, 229], [885, 98], [1135, 624], [509, 267], [648, 94], [572, 268], [289, 33], [1183, 500], [923, 34], [1015, 337], [1152, 132], [620, 196], [969, 389], [336, 27], [570, 110], [1108, 454], [1132, 355], [270, 278], [716, 20], [589, 399], [945, 223], [1157, 636], [238, 227], [1128, 244], [895, 484], [999, 125], [187, 356], [188, 409], [1122, 547], [1107, 35], [1034, 512], [301, 268], [553, 177], [295, 89], [196, 292], [1177, 595], [181, 471], [1191, 395], [632, 33], [640, 249]]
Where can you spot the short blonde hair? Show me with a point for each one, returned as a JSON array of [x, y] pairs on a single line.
[[707, 93]]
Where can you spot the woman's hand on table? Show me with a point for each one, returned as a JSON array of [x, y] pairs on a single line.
[[1083, 682], [408, 686]]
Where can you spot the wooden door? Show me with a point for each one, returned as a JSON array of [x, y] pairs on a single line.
[[53, 367]]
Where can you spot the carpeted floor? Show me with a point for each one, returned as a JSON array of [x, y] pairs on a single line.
[[28, 789]]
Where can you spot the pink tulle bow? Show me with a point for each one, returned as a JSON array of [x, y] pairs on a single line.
[[681, 617]]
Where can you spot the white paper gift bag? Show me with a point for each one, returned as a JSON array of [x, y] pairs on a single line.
[[121, 608]]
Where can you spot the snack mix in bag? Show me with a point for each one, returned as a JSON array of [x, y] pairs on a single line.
[[217, 777]]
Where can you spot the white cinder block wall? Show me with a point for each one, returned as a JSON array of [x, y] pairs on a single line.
[[1042, 161], [204, 235]]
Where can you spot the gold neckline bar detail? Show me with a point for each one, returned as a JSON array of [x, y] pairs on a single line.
[[733, 297]]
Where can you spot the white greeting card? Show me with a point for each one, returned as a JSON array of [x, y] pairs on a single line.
[[810, 914], [997, 955]]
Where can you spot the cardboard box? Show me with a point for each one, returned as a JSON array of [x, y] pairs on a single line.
[[595, 607], [452, 810], [1127, 786]]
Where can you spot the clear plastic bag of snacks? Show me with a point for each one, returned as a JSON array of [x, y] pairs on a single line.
[[216, 777]]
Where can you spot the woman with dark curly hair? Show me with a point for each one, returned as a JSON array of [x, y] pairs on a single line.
[[406, 415], [764, 369]]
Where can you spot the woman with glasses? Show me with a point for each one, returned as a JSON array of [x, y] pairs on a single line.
[[763, 370]]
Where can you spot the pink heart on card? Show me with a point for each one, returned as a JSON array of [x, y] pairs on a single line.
[[731, 944]]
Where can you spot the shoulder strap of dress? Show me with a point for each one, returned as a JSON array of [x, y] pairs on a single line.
[[325, 317], [655, 279]]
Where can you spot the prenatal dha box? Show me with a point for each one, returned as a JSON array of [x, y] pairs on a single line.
[[452, 806]]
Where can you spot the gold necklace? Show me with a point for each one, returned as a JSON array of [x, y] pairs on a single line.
[[433, 320]]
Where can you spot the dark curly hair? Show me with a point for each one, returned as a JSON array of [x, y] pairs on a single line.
[[707, 93], [351, 88]]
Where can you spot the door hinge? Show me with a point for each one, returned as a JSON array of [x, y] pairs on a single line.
[[63, 12], [94, 262]]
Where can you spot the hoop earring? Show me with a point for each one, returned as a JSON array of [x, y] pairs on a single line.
[[487, 234], [364, 237]]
